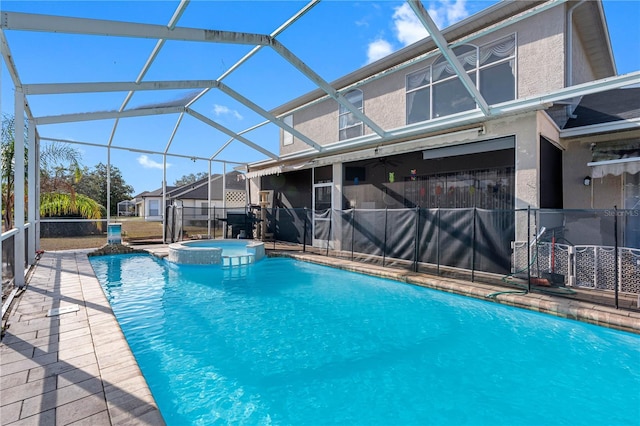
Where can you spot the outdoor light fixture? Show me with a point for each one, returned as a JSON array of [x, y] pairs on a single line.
[[587, 180]]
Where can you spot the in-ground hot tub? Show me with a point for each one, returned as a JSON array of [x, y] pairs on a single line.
[[216, 252]]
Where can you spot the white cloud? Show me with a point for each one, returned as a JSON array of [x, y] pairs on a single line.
[[148, 163], [219, 110], [408, 28], [378, 49], [447, 12]]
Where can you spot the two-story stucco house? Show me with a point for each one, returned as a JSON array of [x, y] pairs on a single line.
[[516, 110]]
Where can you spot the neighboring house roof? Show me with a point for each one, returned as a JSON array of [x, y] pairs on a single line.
[[606, 107], [198, 190], [155, 193]]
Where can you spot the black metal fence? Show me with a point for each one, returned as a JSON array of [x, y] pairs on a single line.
[[596, 249]]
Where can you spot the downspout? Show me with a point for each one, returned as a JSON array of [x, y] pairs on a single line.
[[569, 53]]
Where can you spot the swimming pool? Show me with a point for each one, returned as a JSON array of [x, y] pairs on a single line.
[[287, 342]]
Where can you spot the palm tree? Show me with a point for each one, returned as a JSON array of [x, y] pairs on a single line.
[[7, 153], [56, 204], [59, 170]]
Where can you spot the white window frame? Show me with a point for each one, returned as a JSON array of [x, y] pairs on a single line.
[[473, 72], [287, 138], [155, 210], [342, 112]]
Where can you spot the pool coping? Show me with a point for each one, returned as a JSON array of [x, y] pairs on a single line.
[[592, 313]]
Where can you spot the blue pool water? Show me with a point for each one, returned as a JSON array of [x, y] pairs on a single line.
[[289, 343], [229, 247]]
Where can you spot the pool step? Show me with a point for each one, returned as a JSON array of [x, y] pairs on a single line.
[[239, 260]]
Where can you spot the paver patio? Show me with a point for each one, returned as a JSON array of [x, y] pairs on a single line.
[[72, 368]]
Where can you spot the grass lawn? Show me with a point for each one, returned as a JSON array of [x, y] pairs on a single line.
[[133, 229]]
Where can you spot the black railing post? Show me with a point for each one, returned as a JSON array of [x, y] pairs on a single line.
[[438, 243], [384, 247], [353, 226], [473, 246], [416, 246], [615, 239], [215, 222], [304, 235], [329, 236], [274, 223], [529, 249]]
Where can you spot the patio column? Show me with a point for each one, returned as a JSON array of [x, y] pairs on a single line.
[[33, 196], [209, 202], [108, 186], [18, 188], [36, 146], [224, 187], [163, 207], [336, 203]]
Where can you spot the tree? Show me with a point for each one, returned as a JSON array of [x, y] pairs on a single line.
[[7, 152], [59, 171], [59, 168], [190, 178], [56, 204], [93, 184]]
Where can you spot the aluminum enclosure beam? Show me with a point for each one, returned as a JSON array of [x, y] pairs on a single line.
[[255, 49], [609, 127], [442, 44], [337, 96], [142, 151], [582, 89], [66, 88], [19, 189], [232, 139], [13, 71], [99, 27], [228, 132], [106, 115], [471, 117], [152, 57], [173, 133], [266, 114], [425, 56]]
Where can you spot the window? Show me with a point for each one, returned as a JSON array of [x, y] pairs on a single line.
[[436, 91], [204, 209], [154, 208], [287, 139], [497, 71], [350, 125]]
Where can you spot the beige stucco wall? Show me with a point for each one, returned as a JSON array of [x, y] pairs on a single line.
[[581, 68], [540, 59], [541, 53]]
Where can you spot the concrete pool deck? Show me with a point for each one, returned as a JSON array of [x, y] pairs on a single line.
[[74, 366]]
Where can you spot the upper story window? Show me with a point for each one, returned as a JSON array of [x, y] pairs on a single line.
[[436, 91], [287, 138], [349, 125]]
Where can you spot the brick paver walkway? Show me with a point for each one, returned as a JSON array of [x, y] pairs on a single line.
[[75, 367]]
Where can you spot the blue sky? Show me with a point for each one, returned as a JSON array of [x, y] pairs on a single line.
[[334, 38]]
